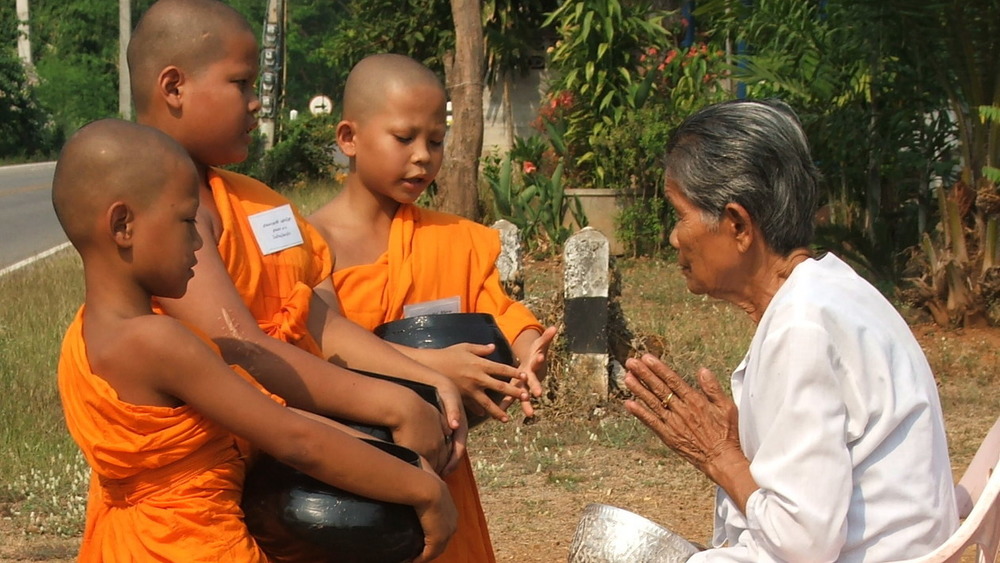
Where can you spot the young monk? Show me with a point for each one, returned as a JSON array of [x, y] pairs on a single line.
[[389, 253], [193, 65], [164, 423]]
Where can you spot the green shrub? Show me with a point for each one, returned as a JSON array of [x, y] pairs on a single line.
[[305, 152], [526, 187], [642, 224]]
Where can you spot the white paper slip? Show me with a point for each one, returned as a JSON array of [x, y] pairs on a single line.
[[275, 229]]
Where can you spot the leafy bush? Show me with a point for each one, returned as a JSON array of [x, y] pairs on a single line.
[[305, 152], [622, 86], [596, 76], [642, 224], [526, 188]]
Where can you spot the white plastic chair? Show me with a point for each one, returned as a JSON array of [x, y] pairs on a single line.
[[978, 497]]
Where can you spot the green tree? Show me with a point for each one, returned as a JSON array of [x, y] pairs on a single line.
[[514, 44], [75, 44], [24, 128], [870, 104], [357, 28]]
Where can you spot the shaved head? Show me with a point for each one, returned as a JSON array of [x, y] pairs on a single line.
[[188, 34], [107, 161], [374, 76]]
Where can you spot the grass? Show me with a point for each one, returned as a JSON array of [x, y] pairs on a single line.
[[40, 466], [547, 468]]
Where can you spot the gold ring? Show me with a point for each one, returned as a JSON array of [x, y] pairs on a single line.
[[666, 401]]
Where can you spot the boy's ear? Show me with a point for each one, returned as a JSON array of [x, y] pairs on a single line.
[[168, 85], [119, 219], [345, 138]]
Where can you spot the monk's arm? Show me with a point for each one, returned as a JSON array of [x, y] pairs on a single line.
[[531, 347], [184, 367], [213, 305], [468, 371], [346, 343], [465, 366]]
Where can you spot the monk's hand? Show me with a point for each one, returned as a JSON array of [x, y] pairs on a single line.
[[533, 364], [423, 430], [701, 425], [457, 430], [439, 520], [467, 366]]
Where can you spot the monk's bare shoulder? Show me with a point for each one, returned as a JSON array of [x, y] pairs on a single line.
[[327, 218], [352, 241], [136, 355]]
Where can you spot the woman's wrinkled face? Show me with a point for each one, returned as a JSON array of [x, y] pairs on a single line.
[[706, 250]]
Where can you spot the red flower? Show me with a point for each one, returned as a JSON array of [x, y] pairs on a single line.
[[671, 55], [528, 167]]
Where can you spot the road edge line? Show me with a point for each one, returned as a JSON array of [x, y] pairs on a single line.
[[32, 259]]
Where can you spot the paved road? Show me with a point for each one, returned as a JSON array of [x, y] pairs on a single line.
[[28, 226]]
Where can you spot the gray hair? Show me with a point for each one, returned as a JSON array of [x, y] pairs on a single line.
[[753, 153]]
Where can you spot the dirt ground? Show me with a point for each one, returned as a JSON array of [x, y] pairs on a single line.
[[536, 479]]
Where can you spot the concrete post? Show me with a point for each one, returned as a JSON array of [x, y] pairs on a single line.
[[124, 80], [509, 261], [586, 277], [24, 41]]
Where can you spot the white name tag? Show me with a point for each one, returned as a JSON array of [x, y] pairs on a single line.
[[275, 229]]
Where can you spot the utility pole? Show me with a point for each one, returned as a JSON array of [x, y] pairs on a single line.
[[271, 65], [124, 80], [24, 41]]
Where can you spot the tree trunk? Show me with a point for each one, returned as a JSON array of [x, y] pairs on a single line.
[[458, 181]]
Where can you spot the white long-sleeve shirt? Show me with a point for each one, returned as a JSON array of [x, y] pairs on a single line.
[[840, 418]]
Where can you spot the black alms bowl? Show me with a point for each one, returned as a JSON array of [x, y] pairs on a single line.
[[297, 518], [447, 329]]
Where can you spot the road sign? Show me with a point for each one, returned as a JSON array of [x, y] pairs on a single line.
[[320, 104]]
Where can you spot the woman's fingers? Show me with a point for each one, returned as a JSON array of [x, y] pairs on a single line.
[[669, 377], [636, 382], [653, 388]]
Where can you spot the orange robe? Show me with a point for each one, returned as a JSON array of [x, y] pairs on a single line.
[[430, 256], [275, 287], [165, 483]]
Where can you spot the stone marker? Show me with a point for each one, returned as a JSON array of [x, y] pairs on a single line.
[[586, 278], [509, 261]]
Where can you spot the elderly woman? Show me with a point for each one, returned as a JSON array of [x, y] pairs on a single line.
[[833, 445]]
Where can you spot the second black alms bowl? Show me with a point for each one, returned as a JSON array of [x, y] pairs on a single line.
[[294, 517], [447, 329]]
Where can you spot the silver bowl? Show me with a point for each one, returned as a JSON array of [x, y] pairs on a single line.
[[608, 534]]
